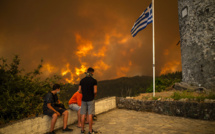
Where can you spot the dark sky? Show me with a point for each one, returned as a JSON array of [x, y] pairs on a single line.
[[73, 35]]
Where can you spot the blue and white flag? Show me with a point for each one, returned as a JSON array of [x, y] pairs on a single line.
[[144, 19]]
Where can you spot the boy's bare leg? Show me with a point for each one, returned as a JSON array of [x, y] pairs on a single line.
[[87, 119], [90, 122], [79, 118], [82, 121], [54, 119], [65, 119]]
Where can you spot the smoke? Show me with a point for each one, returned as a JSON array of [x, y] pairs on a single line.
[[71, 36]]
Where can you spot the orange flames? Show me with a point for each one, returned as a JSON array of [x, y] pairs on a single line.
[[174, 62], [80, 70], [73, 75], [85, 49], [94, 55], [99, 56], [68, 71], [170, 67], [84, 46]]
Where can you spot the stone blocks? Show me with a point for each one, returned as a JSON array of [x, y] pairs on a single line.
[[205, 111], [197, 42]]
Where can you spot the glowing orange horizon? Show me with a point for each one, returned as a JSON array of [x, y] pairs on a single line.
[[86, 48]]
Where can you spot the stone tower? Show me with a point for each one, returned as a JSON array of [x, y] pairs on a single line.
[[197, 25]]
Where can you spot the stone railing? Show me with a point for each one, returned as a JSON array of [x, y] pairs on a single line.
[[196, 110], [41, 124]]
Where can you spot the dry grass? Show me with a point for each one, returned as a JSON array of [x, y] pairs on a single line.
[[175, 95], [164, 94]]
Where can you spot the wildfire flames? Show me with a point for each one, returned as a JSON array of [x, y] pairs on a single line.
[[85, 49], [173, 64], [170, 67], [97, 56]]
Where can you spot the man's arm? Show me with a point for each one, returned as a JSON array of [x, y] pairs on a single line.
[[79, 99], [95, 90], [50, 107], [79, 89]]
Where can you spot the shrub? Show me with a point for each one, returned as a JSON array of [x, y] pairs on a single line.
[[192, 96], [164, 81], [21, 94], [176, 96]]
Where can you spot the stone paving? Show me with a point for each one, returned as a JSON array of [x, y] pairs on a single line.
[[122, 121]]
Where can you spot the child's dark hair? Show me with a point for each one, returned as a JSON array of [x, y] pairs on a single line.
[[56, 86]]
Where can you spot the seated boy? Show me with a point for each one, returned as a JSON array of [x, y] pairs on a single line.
[[53, 108], [75, 104]]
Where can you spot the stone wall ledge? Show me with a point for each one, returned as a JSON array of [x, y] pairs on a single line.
[[41, 124], [188, 109]]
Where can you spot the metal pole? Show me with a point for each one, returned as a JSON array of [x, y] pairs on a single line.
[[153, 47]]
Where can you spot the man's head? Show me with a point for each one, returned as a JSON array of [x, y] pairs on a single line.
[[56, 88], [90, 70]]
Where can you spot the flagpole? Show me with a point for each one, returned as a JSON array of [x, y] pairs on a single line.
[[153, 47]]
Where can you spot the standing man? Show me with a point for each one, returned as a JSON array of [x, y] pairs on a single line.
[[53, 108], [88, 88]]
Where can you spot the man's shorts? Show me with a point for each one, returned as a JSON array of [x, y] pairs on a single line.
[[49, 112], [74, 107], [88, 106]]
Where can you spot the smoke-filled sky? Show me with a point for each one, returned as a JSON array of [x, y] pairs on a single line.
[[72, 35]]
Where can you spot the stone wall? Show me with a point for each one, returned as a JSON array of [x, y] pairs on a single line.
[[41, 124], [205, 111], [105, 104], [197, 24]]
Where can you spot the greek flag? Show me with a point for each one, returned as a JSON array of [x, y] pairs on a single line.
[[144, 19]]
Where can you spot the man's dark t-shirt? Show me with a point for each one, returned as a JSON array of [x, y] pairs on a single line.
[[87, 87], [49, 98]]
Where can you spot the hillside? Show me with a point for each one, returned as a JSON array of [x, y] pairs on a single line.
[[121, 87]]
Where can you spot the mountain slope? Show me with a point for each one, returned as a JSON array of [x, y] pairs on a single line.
[[125, 86]]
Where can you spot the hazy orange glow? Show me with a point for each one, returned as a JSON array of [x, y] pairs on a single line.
[[89, 34], [170, 67], [166, 52], [107, 39], [97, 59], [101, 52], [48, 67], [130, 63], [132, 50], [121, 71], [100, 65], [124, 40], [88, 56]]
